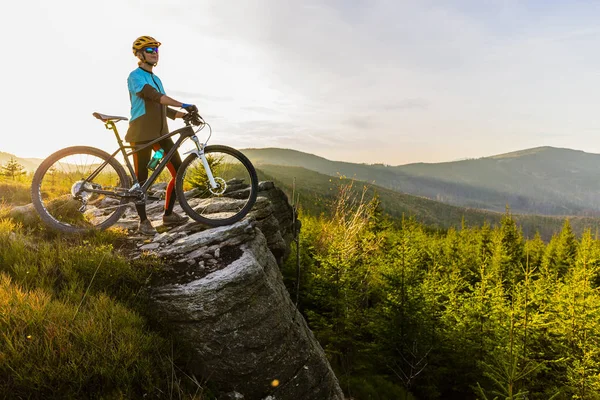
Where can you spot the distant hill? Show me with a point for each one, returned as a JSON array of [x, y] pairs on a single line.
[[316, 192], [544, 180], [539, 181], [316, 185], [30, 164]]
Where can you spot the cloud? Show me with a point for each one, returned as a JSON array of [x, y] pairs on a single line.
[[195, 95], [406, 104], [393, 81], [359, 123], [431, 72], [263, 110]]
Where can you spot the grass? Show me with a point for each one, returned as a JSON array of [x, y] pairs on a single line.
[[74, 321], [15, 193], [49, 349]]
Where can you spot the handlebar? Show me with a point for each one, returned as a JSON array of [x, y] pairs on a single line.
[[193, 118]]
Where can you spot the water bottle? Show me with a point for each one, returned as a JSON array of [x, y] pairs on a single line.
[[158, 155]]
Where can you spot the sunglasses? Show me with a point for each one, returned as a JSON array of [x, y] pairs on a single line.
[[150, 50]]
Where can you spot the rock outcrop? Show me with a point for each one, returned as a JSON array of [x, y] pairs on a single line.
[[223, 294]]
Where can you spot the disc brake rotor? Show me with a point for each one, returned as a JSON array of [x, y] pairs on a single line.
[[220, 189]]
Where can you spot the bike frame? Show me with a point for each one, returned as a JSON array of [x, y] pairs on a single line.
[[185, 133]]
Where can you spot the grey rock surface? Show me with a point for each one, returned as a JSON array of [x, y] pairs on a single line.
[[272, 213], [221, 292], [237, 317], [25, 214]]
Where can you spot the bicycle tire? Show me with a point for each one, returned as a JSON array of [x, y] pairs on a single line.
[[252, 186], [40, 173]]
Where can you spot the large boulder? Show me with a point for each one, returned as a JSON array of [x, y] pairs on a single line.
[[223, 294]]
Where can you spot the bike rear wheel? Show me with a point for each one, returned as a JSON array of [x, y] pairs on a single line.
[[59, 194], [237, 186]]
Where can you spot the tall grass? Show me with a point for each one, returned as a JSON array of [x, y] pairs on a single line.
[[73, 321], [104, 349], [15, 193]]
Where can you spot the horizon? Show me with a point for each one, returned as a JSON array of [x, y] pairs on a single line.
[[381, 82], [358, 162]]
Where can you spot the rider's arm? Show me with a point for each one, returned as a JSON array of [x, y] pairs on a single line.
[[174, 114], [150, 93], [167, 101]]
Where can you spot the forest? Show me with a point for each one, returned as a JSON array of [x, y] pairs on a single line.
[[405, 311]]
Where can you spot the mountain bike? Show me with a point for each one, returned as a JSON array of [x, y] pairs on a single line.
[[81, 188]]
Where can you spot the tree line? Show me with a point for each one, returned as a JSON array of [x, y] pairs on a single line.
[[405, 311]]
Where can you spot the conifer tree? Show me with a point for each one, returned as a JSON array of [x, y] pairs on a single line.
[[566, 249], [549, 259], [534, 252], [402, 332], [12, 169], [511, 365], [445, 292], [577, 322], [509, 251], [486, 245]]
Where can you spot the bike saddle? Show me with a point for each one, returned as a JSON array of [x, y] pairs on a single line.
[[105, 118]]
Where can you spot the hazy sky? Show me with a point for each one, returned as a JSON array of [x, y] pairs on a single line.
[[361, 81]]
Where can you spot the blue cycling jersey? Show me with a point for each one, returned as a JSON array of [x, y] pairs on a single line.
[[135, 83], [148, 116]]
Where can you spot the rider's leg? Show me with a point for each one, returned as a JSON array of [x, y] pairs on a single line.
[[140, 164], [173, 166]]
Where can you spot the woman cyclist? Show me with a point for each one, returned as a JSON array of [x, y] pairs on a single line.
[[148, 122]]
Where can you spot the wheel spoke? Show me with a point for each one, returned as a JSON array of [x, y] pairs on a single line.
[[232, 196], [63, 197]]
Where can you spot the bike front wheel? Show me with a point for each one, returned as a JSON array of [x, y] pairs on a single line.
[[67, 196], [235, 192]]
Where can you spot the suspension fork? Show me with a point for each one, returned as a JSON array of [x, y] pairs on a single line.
[[200, 153]]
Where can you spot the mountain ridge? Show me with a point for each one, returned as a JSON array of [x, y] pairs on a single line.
[[542, 180], [29, 163], [316, 192], [4, 156]]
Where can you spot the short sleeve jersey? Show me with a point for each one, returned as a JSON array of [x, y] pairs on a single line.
[[148, 116]]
